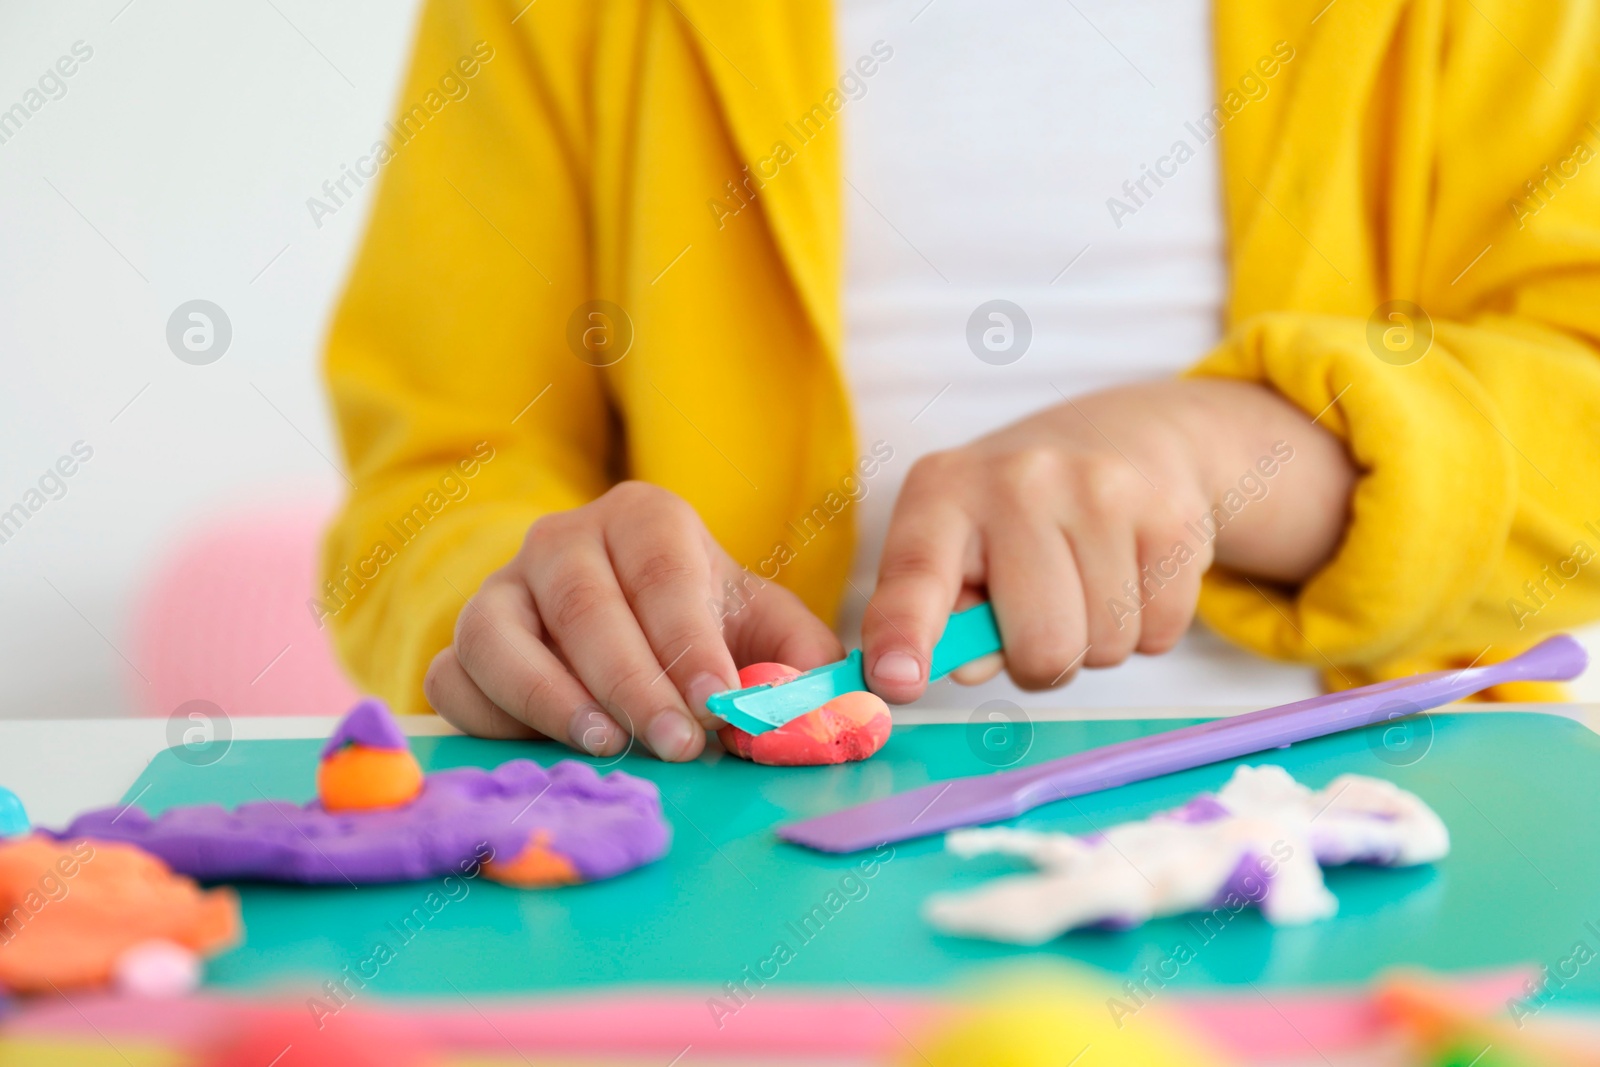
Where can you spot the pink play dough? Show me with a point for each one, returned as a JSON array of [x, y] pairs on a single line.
[[848, 727]]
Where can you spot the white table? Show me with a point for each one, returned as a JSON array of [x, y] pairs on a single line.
[[60, 767]]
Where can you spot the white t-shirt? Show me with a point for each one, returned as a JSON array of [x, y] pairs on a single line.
[[1004, 151]]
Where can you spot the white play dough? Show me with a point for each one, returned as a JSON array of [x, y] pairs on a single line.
[[1169, 864]]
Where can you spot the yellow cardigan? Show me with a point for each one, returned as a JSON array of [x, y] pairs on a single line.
[[573, 150]]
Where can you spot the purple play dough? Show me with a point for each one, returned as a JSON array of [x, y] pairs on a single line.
[[1248, 882], [602, 825], [369, 723], [1203, 808]]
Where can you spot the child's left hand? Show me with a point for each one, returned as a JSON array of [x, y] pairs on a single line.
[[1088, 524]]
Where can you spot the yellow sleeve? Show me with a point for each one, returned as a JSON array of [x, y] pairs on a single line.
[[1475, 524], [1428, 159], [463, 414]]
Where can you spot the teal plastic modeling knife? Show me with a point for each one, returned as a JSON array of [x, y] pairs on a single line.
[[969, 635]]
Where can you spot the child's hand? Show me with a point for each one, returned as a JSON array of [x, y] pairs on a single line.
[[1088, 523], [605, 624]]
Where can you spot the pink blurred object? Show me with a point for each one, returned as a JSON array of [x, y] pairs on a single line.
[[1338, 1020], [1296, 1026], [225, 620], [158, 968]]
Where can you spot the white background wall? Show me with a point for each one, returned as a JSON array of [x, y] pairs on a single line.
[[176, 166]]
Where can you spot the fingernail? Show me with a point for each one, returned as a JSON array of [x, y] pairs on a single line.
[[670, 735], [593, 731], [897, 668], [701, 687]]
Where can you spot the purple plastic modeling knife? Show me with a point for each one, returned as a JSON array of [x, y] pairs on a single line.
[[1003, 795]]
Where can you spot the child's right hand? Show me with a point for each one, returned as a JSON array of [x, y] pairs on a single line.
[[606, 623]]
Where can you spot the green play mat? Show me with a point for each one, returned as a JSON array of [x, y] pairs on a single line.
[[1520, 793]]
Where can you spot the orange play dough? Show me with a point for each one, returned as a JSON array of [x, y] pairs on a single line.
[[533, 867], [359, 778], [69, 909], [849, 727]]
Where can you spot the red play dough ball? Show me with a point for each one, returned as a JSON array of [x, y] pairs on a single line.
[[848, 727], [766, 674]]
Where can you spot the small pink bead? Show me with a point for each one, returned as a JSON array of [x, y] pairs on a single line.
[[156, 969]]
